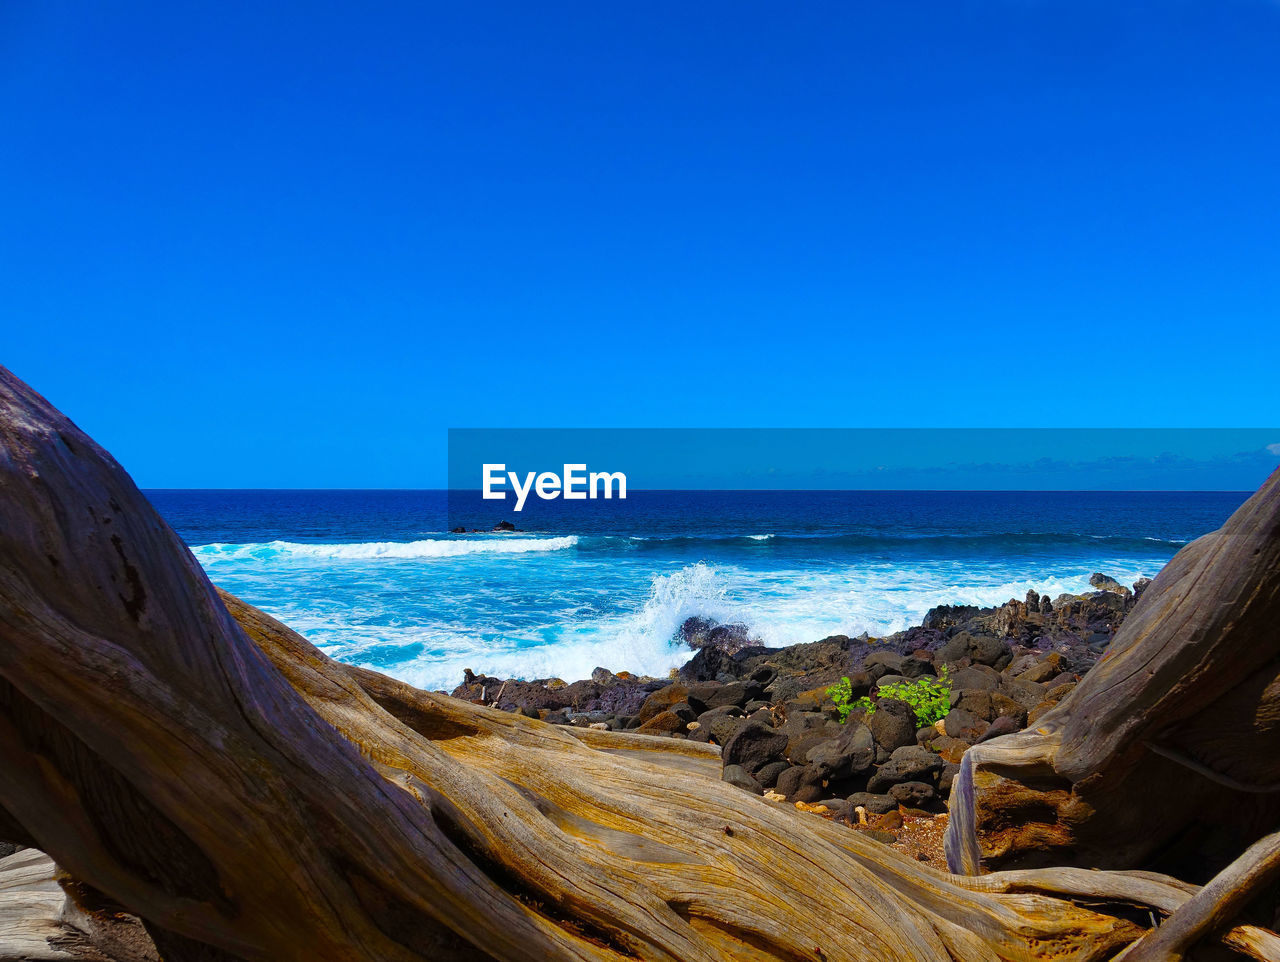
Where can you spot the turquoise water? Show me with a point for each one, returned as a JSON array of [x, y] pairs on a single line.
[[373, 578]]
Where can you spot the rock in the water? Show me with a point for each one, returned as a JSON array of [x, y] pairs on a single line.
[[700, 632], [1107, 583]]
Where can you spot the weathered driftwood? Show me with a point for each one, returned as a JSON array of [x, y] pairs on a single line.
[[1174, 734], [1213, 907], [41, 921], [209, 770]]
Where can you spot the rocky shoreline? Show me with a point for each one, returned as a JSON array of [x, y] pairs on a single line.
[[778, 725]]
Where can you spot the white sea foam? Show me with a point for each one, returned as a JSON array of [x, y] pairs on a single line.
[[273, 550], [780, 608], [575, 610]]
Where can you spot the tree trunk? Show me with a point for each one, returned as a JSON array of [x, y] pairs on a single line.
[[1169, 750], [214, 773]]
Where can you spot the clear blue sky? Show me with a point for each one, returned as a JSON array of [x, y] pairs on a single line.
[[289, 244]]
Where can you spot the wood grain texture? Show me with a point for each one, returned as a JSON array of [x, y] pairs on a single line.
[[208, 769], [1177, 724], [41, 921]]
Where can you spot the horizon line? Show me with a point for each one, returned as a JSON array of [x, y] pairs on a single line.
[[780, 490]]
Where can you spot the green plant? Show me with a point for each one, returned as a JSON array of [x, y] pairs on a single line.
[[841, 693], [929, 698]]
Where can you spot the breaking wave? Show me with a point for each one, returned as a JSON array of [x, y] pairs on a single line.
[[443, 548]]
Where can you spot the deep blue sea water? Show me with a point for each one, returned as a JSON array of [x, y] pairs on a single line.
[[373, 578]]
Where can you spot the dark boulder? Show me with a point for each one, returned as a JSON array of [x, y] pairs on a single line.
[[979, 677], [504, 526], [707, 665], [989, 650], [736, 693], [684, 711], [851, 752], [1004, 725], [915, 667], [621, 697], [965, 726], [754, 746], [663, 723], [1107, 583], [722, 724], [980, 649], [949, 772], [949, 616], [739, 777], [800, 784], [875, 804], [693, 631], [729, 638], [907, 764], [882, 663], [661, 700], [914, 794], [949, 749], [767, 776], [1028, 694], [987, 705], [799, 746], [892, 724]]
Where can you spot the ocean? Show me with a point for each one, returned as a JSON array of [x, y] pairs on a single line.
[[373, 577]]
